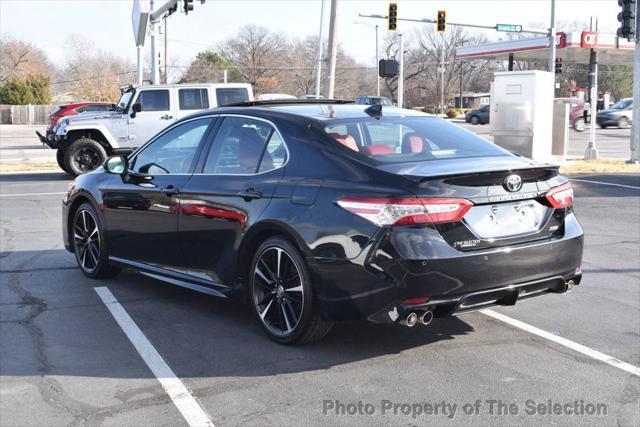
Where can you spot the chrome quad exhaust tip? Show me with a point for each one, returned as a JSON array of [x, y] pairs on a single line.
[[426, 317], [410, 320]]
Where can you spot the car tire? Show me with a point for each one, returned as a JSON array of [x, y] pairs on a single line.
[[603, 126], [624, 123], [60, 160], [474, 120], [89, 244], [579, 125], [281, 294], [84, 155]]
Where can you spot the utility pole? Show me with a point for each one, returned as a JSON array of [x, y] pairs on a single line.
[[155, 73], [319, 59], [441, 109], [377, 63], [333, 47], [166, 54], [635, 124], [139, 73], [461, 66], [401, 73], [591, 152], [552, 41]]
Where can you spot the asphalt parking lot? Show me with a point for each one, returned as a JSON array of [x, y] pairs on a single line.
[[66, 360]]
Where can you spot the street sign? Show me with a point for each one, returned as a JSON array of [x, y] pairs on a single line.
[[509, 28], [139, 20]]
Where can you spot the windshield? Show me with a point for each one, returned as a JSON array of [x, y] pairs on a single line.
[[409, 139], [124, 100], [623, 104], [381, 101]]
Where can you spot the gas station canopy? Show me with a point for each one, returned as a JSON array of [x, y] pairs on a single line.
[[571, 47]]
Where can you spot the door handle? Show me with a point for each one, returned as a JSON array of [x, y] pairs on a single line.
[[170, 190], [166, 117], [250, 194]]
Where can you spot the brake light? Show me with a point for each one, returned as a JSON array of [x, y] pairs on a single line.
[[407, 211], [561, 197]]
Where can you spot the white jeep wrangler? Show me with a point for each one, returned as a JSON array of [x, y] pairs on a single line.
[[85, 140]]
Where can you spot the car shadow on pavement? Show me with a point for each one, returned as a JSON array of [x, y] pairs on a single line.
[[54, 323], [224, 338], [35, 177]]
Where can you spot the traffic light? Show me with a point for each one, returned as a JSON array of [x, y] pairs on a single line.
[[187, 6], [441, 22], [558, 65], [392, 24], [627, 17]]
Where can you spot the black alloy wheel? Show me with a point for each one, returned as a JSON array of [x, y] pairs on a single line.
[[88, 244], [281, 294]]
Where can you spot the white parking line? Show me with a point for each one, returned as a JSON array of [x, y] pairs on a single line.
[[627, 367], [606, 183], [181, 397], [59, 193]]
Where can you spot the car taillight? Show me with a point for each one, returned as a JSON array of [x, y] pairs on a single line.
[[561, 197], [407, 211]]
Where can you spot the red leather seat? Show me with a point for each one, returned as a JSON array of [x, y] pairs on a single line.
[[377, 149]]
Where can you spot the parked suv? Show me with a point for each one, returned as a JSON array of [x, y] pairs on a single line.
[[85, 140], [619, 114]]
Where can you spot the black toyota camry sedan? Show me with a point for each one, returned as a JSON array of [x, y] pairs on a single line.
[[322, 212]]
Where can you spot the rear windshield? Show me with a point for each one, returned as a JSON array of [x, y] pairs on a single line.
[[410, 139]]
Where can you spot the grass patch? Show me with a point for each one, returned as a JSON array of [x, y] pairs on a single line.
[[29, 167], [598, 166]]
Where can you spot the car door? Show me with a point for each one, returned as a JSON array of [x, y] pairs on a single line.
[[156, 113], [234, 184], [141, 207]]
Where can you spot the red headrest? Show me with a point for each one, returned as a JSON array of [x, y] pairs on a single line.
[[413, 143], [378, 149]]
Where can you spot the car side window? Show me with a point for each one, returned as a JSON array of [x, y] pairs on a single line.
[[275, 156], [241, 147], [174, 151], [154, 100], [193, 99]]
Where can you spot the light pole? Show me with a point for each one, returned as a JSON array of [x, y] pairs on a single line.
[[319, 59], [377, 54]]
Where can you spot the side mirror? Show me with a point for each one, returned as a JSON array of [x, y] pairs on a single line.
[[118, 165], [135, 109]]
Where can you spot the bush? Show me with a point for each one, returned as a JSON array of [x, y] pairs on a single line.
[[34, 89], [453, 112]]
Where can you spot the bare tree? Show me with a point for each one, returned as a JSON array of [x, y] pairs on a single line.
[[257, 53], [21, 59], [93, 74]]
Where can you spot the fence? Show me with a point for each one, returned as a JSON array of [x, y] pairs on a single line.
[[25, 114]]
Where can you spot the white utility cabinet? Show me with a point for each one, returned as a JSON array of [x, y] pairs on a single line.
[[522, 112]]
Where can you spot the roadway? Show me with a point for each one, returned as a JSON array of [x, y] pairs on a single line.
[[65, 359]]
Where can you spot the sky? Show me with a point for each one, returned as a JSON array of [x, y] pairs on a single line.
[[49, 23]]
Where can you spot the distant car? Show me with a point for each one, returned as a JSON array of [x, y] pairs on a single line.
[[72, 109], [374, 100], [577, 109], [272, 96], [479, 116], [619, 114]]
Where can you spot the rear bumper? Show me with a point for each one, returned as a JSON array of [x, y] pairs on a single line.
[[413, 263]]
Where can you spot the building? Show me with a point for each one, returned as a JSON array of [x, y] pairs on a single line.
[[472, 100]]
